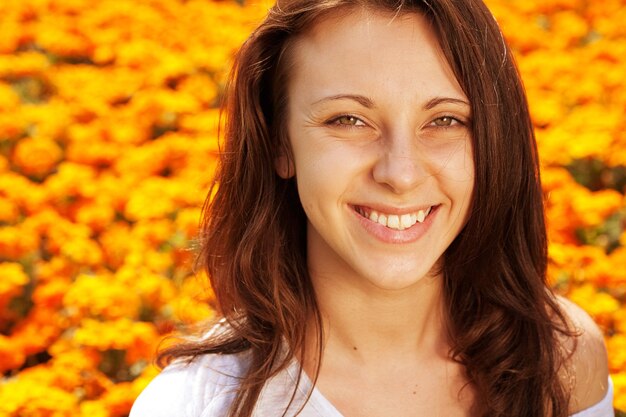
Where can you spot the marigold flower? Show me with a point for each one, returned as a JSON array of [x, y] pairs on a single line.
[[619, 389], [37, 156], [119, 399], [600, 305], [138, 339], [108, 233], [50, 294], [25, 399], [15, 242], [154, 289], [97, 214], [38, 329], [24, 64], [10, 356], [95, 408], [8, 98], [9, 212], [101, 296], [13, 280], [616, 347]]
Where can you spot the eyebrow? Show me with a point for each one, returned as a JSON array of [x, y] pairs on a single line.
[[434, 102], [362, 100], [369, 103]]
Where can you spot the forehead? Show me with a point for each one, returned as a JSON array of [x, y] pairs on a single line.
[[370, 50]]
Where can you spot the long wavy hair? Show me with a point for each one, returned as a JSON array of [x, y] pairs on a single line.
[[505, 322]]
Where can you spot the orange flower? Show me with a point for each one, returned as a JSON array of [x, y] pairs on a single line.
[[38, 329], [10, 356], [37, 156], [9, 212]]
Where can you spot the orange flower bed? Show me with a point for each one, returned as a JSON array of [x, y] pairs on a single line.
[[108, 141]]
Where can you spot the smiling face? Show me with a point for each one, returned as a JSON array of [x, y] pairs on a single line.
[[379, 131]]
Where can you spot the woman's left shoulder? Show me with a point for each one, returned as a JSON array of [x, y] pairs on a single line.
[[587, 371]]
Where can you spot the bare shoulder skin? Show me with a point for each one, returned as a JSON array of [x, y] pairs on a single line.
[[587, 371]]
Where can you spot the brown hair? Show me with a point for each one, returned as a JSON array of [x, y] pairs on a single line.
[[505, 321]]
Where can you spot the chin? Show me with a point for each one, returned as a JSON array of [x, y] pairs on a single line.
[[403, 280]]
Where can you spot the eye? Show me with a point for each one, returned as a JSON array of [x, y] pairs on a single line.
[[346, 120], [446, 121]]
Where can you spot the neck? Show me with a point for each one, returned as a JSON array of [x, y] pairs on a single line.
[[373, 325]]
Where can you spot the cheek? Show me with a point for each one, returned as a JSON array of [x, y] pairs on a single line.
[[452, 156], [324, 174]]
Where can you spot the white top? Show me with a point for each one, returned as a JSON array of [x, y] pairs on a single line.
[[206, 388]]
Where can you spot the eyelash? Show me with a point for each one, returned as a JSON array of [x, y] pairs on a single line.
[[334, 121], [454, 119]]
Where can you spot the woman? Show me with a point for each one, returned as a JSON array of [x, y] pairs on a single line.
[[377, 243]]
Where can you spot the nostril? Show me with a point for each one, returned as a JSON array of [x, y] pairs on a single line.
[[398, 172]]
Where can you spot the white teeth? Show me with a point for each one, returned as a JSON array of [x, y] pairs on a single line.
[[395, 221], [405, 221]]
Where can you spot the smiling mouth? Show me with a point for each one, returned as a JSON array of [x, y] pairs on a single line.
[[394, 221]]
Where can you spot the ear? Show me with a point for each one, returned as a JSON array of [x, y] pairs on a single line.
[[284, 166]]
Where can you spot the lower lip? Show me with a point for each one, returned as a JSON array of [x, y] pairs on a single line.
[[388, 235]]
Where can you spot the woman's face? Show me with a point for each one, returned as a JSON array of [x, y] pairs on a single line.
[[380, 137]]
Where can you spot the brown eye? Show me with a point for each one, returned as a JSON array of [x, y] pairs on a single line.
[[348, 121], [444, 121]]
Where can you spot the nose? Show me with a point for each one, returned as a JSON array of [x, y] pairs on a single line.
[[400, 166]]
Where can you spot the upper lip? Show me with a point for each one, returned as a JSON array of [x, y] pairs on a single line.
[[394, 210]]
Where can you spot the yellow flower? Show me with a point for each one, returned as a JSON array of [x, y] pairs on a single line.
[[94, 409], [600, 305], [616, 347], [119, 399], [9, 99], [98, 214], [154, 289], [101, 296], [619, 384], [15, 242], [569, 27], [13, 279], [138, 339], [151, 200], [26, 64], [188, 221], [26, 399]]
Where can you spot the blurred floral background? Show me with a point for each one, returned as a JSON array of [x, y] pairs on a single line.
[[108, 141]]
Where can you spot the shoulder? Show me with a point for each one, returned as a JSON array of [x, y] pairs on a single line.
[[205, 386], [586, 372]]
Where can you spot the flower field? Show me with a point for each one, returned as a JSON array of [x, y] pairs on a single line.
[[108, 141]]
